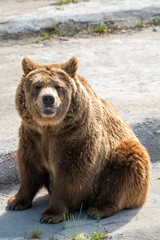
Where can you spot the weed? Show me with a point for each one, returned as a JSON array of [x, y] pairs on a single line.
[[100, 28], [78, 224], [46, 36], [52, 27], [67, 32], [59, 8], [38, 39], [97, 236], [64, 219], [141, 22], [36, 233], [68, 1], [156, 21], [64, 1], [79, 237], [98, 216], [74, 32], [53, 238], [62, 32], [77, 227], [25, 235]]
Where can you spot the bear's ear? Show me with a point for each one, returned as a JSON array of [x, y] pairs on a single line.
[[28, 65], [71, 66]]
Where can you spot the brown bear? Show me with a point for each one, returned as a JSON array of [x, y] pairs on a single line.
[[76, 145]]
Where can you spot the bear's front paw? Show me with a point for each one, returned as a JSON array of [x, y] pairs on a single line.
[[15, 203], [51, 217]]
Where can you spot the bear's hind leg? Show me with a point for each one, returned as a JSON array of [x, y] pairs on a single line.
[[125, 184]]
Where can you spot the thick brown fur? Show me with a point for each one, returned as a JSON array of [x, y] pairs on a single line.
[[76, 145]]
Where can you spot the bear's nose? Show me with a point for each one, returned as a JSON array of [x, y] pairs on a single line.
[[48, 99]]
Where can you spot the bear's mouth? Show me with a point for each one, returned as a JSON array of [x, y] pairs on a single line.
[[48, 111]]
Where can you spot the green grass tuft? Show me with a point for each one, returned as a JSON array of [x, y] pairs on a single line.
[[36, 233], [97, 236], [100, 28], [53, 238], [68, 1], [78, 225], [141, 22], [38, 39], [156, 21], [52, 27]]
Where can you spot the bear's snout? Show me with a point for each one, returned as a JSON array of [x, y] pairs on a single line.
[[48, 100]]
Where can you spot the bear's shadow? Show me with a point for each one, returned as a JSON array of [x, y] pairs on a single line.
[[20, 223]]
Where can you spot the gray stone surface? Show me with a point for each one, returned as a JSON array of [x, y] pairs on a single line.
[[124, 70], [123, 13], [139, 224]]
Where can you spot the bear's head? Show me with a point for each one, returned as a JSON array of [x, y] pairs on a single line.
[[45, 92]]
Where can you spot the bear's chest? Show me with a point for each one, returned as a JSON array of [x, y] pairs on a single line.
[[50, 151]]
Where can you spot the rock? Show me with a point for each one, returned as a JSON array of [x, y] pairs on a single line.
[[155, 29]]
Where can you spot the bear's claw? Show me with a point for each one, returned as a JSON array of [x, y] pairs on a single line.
[[17, 204], [51, 218]]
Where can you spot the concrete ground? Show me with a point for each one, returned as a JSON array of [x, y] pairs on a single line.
[[123, 69]]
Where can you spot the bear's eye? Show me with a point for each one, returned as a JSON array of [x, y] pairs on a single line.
[[57, 87], [37, 87]]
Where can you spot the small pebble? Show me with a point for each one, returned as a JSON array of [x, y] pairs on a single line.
[[157, 132], [123, 31], [155, 29], [64, 39]]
